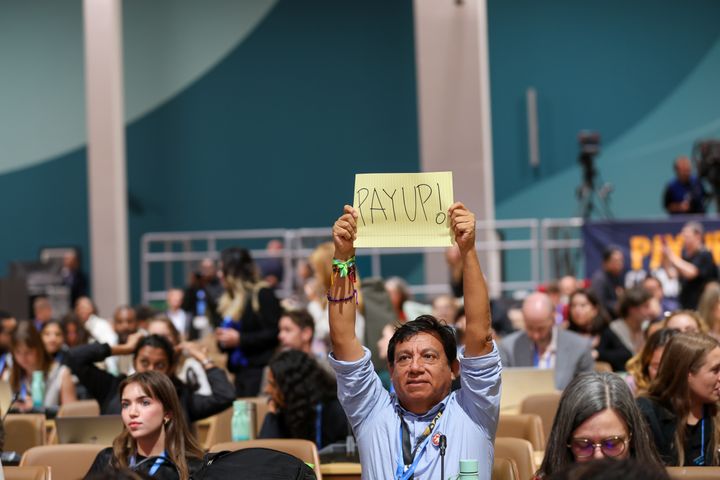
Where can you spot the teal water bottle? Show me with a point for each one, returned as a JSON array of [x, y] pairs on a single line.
[[37, 389], [240, 421], [468, 470]]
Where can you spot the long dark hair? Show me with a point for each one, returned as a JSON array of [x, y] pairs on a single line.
[[303, 385], [588, 394], [597, 324], [179, 442], [639, 365], [240, 276], [685, 353], [26, 334]]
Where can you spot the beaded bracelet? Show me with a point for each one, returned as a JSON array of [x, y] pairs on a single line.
[[332, 299], [344, 268]]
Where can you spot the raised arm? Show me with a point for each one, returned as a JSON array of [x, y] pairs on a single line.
[[342, 295], [477, 306]]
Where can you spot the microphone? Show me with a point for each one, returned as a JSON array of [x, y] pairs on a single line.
[[443, 446]]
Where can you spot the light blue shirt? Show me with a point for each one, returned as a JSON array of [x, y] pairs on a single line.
[[469, 420]]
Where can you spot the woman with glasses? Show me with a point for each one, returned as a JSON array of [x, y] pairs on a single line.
[[597, 418], [681, 405]]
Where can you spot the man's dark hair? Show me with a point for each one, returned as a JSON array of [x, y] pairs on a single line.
[[301, 318], [609, 250], [425, 324], [633, 297]]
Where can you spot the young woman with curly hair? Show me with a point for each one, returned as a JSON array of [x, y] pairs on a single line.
[[303, 401]]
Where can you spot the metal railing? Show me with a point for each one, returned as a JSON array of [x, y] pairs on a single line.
[[189, 248]]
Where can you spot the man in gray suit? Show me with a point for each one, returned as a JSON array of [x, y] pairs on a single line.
[[545, 345]]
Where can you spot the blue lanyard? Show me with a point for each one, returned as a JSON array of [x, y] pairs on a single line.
[[154, 468], [700, 460], [402, 472], [3, 362], [23, 390], [318, 425], [536, 357]]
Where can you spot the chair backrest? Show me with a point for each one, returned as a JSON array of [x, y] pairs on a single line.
[[520, 451], [81, 408], [23, 431], [545, 405], [694, 473], [69, 461], [524, 425], [505, 469], [35, 472], [219, 428], [305, 450]]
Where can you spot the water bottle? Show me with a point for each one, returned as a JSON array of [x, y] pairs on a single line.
[[200, 321], [240, 421], [37, 389], [201, 304], [468, 470]]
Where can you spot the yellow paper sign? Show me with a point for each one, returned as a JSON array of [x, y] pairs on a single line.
[[403, 209]]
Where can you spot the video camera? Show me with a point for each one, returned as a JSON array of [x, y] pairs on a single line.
[[706, 156]]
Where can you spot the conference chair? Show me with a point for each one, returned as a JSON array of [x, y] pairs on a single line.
[[520, 451], [24, 431], [544, 405], [27, 473], [305, 450], [694, 473], [524, 425], [505, 469], [69, 461], [80, 408], [218, 428]]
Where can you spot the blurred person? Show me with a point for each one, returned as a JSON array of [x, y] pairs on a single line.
[[681, 405], [202, 294], [696, 266], [643, 367], [567, 285], [624, 337], [597, 418], [42, 312], [53, 339], [250, 312], [73, 331], [587, 317], [401, 299], [545, 345], [73, 277], [98, 328], [180, 318], [8, 324], [143, 315], [444, 307], [125, 324], [155, 440], [709, 308], [29, 355], [685, 321], [302, 401], [296, 330], [607, 282], [188, 369], [685, 194], [271, 267], [382, 345], [659, 305], [151, 353]]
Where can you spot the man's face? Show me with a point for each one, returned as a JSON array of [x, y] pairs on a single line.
[[174, 299], [125, 323], [538, 325], [421, 374], [615, 264], [692, 239], [683, 169], [291, 336]]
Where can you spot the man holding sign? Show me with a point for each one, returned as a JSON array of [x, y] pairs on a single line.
[[403, 436]]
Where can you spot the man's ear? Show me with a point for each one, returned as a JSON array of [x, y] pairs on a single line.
[[455, 368]]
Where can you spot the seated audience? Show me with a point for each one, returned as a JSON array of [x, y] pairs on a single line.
[[8, 324], [156, 440], [149, 353], [709, 308], [188, 370], [98, 328], [303, 401], [686, 321], [607, 282], [401, 299], [444, 308], [54, 340], [659, 302], [250, 312], [73, 331], [543, 344], [423, 358], [587, 317], [643, 367], [124, 324], [180, 318], [42, 312], [624, 337], [681, 405], [29, 355], [597, 418]]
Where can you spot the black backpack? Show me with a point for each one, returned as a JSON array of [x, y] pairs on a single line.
[[253, 463]]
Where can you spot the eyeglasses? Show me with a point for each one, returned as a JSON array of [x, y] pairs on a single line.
[[584, 447]]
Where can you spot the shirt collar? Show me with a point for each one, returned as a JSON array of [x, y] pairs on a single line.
[[430, 413]]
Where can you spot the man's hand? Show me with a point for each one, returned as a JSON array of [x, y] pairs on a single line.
[[227, 337], [462, 222], [344, 233], [129, 346]]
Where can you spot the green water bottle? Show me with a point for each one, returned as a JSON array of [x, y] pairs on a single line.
[[37, 389], [240, 425], [468, 470]]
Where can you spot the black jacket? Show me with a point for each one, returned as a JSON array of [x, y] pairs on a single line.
[[103, 386], [166, 470], [663, 423], [333, 427]]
